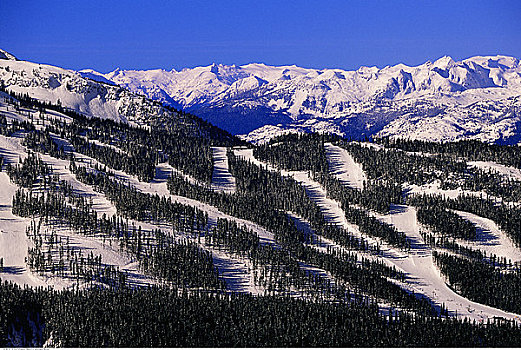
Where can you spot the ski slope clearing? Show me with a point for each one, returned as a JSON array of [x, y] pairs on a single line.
[[426, 278], [423, 276], [507, 171], [164, 170], [109, 252], [343, 166], [236, 272], [490, 238], [158, 186], [13, 240], [222, 180], [15, 248], [434, 188], [330, 208], [332, 211]]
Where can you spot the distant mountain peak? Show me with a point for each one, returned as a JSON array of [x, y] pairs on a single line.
[[443, 100], [445, 62]]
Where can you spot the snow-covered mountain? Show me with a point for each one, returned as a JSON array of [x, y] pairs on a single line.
[[94, 98], [442, 100]]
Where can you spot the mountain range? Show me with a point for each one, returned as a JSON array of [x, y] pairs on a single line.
[[117, 203], [442, 100]]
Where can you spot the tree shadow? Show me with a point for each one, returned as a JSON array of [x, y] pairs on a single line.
[[485, 237], [397, 209], [162, 174], [13, 270]]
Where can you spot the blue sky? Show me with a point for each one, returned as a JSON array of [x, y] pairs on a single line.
[[335, 34]]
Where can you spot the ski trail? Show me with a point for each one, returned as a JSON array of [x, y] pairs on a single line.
[[13, 240], [507, 171], [343, 166], [158, 186], [426, 278], [422, 275], [331, 209], [222, 180], [490, 238], [236, 273], [12, 151], [241, 269], [163, 170]]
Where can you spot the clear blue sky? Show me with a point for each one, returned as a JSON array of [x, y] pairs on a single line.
[[336, 34]]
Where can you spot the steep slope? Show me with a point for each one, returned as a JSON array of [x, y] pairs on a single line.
[[472, 98]]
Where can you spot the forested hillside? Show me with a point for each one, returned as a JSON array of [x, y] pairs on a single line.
[[118, 234]]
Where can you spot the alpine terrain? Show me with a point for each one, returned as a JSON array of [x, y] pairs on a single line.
[[133, 215], [444, 100]]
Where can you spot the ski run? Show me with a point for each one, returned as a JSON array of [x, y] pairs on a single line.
[[423, 278]]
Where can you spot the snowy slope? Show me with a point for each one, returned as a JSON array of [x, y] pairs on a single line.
[[343, 166], [81, 93], [422, 275], [490, 238], [237, 273], [222, 180], [475, 97]]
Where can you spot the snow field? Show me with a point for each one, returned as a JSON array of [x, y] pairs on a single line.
[[222, 180], [13, 240], [507, 171], [14, 249], [343, 166], [490, 238], [236, 272], [331, 209], [425, 278]]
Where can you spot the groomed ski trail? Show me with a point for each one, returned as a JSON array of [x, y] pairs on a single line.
[[423, 276], [343, 166]]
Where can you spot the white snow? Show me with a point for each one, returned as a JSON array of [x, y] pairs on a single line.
[[343, 166], [490, 238], [236, 272], [434, 188], [13, 241], [426, 278], [53, 84], [299, 85], [507, 171], [422, 275], [212, 83], [445, 100], [222, 180]]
